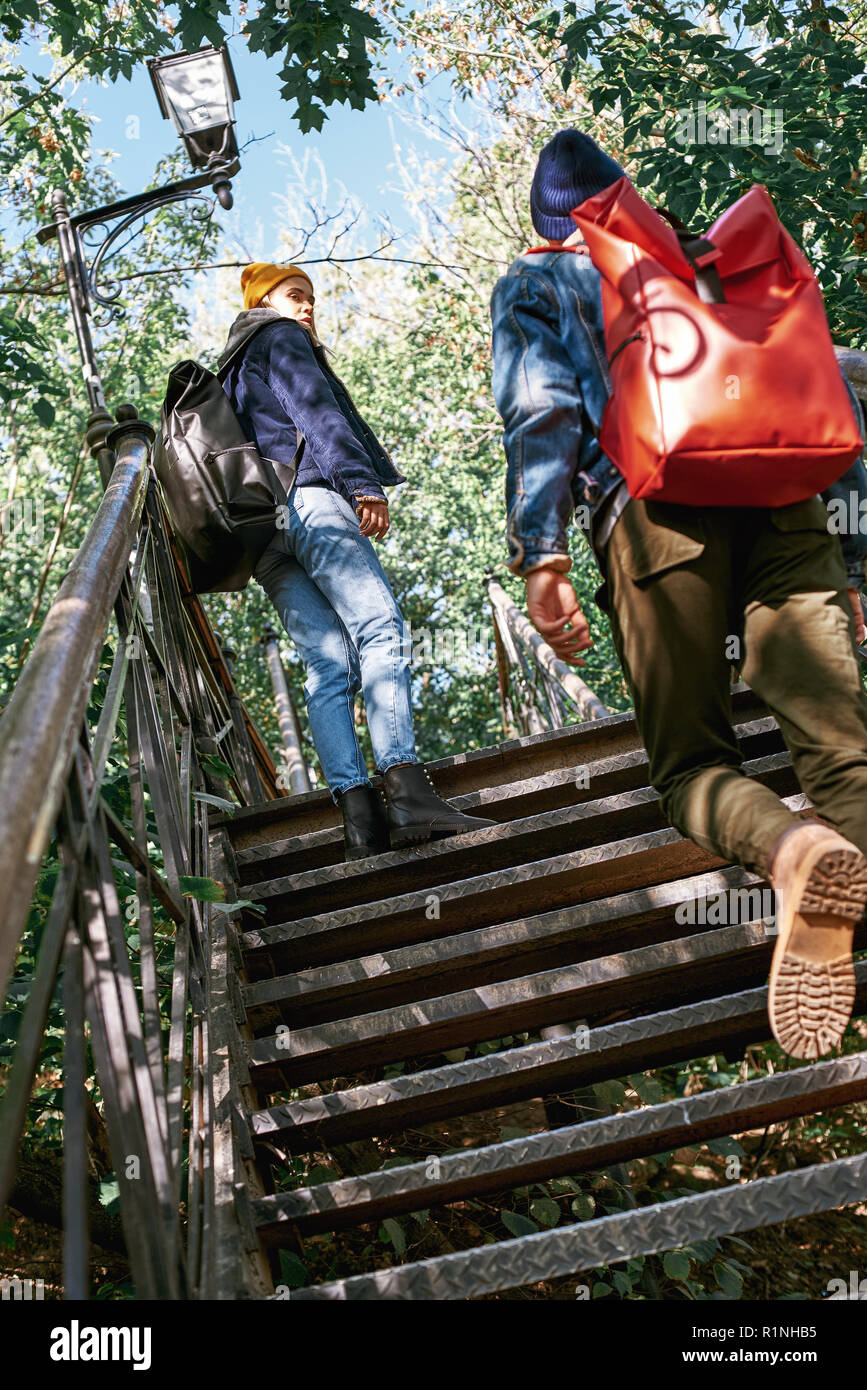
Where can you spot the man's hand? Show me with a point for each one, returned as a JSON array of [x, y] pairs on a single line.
[[374, 519], [554, 611], [858, 615]]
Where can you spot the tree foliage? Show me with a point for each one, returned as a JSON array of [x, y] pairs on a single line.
[[653, 63]]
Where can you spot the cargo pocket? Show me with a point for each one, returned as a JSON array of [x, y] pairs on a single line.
[[809, 515], [652, 537]]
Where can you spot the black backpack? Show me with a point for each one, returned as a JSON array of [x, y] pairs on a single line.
[[222, 495]]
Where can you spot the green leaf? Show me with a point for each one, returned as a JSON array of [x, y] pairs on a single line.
[[702, 1250], [612, 1093], [508, 1132], [44, 411], [293, 1271], [109, 1194], [219, 801], [321, 1173], [204, 890], [676, 1264], [584, 1206], [518, 1225], [729, 1280], [546, 1211], [391, 1233], [647, 1088], [726, 1147]]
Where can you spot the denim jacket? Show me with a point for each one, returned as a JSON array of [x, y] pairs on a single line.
[[551, 384], [281, 387]]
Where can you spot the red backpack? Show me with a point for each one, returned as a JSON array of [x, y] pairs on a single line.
[[725, 387]]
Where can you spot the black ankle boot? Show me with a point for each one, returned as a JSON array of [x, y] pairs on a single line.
[[365, 827], [416, 813]]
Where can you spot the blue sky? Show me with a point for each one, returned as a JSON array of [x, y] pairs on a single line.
[[355, 146]]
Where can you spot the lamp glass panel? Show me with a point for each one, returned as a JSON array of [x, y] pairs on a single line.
[[197, 92]]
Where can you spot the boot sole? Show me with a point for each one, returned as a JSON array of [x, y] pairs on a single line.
[[420, 834], [810, 1000]]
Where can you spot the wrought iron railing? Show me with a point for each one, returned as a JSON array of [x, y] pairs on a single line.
[[156, 1005]]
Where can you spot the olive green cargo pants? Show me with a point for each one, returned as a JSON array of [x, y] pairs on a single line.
[[692, 592]]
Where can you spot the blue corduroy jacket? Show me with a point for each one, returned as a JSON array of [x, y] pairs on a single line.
[[287, 398]]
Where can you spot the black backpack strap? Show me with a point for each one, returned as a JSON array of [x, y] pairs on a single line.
[[701, 254], [281, 469]]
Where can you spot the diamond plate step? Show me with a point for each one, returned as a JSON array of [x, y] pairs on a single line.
[[629, 982], [532, 795], [333, 1206], [486, 954], [725, 1025], [511, 1264]]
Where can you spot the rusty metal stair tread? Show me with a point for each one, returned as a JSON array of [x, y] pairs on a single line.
[[451, 773], [573, 1149], [642, 917], [501, 847], [670, 971], [511, 801], [723, 1024], [610, 1239], [564, 880]]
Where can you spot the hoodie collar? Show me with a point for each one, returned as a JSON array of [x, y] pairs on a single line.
[[248, 322]]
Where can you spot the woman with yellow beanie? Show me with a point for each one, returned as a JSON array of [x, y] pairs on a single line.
[[321, 571]]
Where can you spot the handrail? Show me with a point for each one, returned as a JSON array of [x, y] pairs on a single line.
[[853, 365], [41, 722], [161, 1012]]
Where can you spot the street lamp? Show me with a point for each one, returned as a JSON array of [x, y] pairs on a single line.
[[197, 91]]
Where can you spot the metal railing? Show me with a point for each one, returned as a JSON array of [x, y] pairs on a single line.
[[156, 1006]]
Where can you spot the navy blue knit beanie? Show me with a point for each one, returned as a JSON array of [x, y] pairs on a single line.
[[571, 168]]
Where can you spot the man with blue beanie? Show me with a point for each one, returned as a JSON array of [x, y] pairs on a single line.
[[680, 582]]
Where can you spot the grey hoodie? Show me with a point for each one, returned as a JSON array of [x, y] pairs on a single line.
[[246, 324]]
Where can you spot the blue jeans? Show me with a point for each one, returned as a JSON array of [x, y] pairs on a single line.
[[334, 600]]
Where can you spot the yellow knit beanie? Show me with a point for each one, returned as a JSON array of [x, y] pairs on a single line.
[[261, 277]]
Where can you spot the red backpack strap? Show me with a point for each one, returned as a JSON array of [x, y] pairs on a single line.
[[578, 250]]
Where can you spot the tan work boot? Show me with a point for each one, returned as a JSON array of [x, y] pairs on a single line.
[[821, 884]]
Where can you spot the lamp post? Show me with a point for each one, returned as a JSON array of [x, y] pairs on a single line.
[[197, 91]]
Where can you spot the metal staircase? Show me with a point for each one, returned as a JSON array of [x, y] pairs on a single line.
[[563, 911], [557, 946]]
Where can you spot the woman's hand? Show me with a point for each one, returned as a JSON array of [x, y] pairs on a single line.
[[374, 518]]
